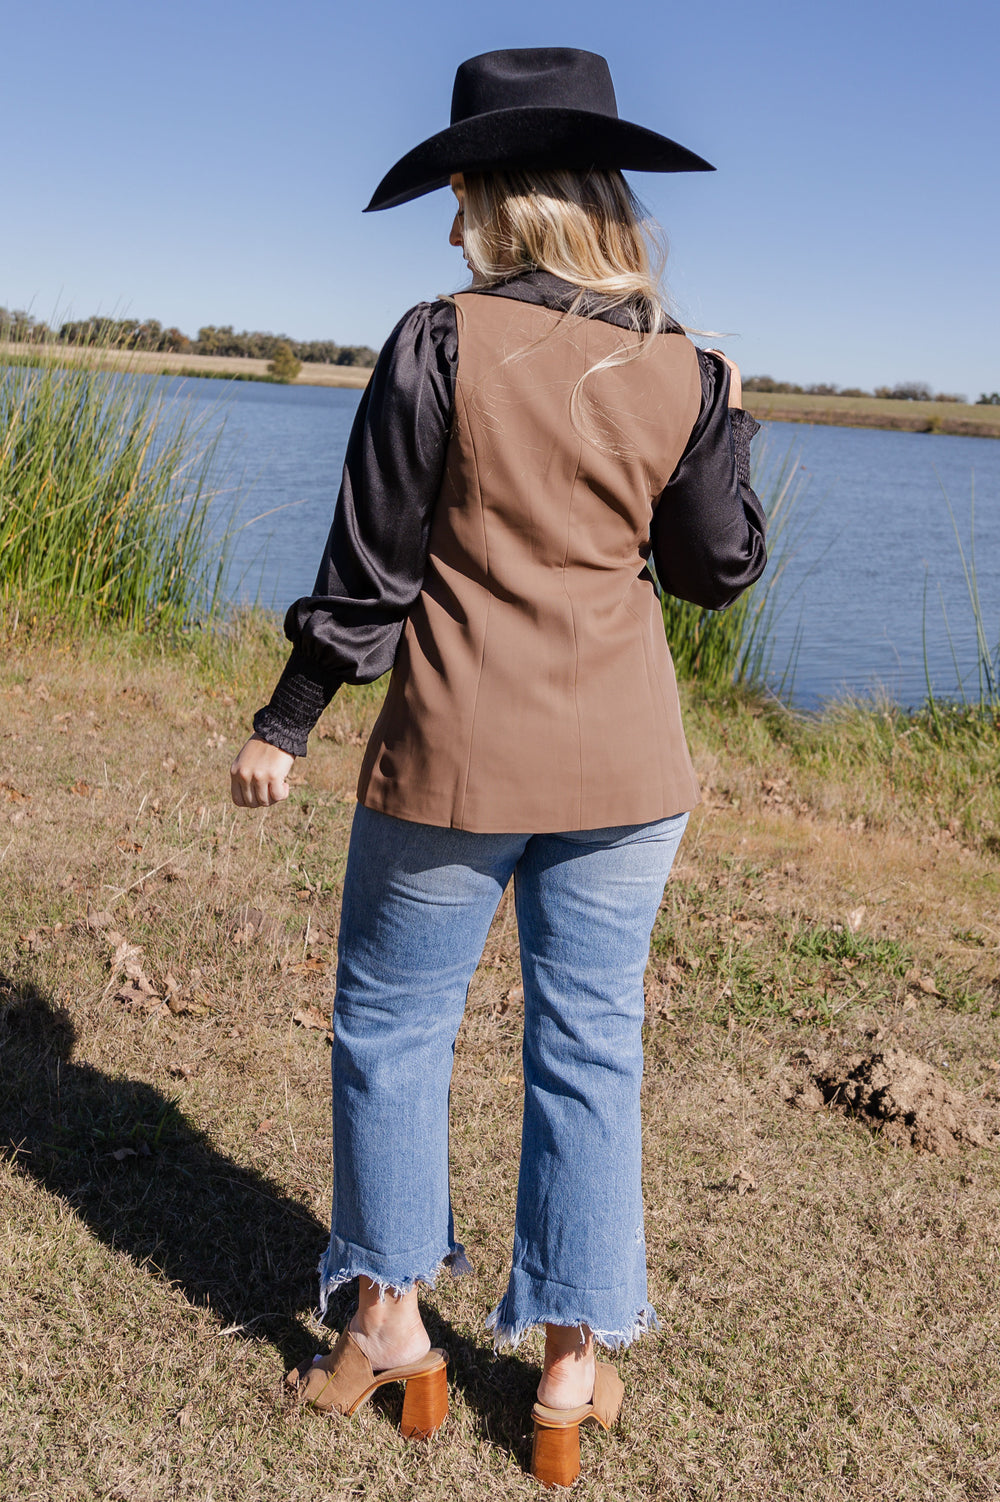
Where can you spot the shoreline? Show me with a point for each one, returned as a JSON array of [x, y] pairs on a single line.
[[964, 420], [959, 419], [198, 367]]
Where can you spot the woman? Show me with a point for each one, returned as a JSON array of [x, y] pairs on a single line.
[[520, 450]]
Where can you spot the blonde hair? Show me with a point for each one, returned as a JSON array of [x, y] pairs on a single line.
[[586, 227]]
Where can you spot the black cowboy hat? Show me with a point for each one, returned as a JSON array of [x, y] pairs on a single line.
[[540, 107]]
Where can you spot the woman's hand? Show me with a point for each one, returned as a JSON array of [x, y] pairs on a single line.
[[735, 379], [259, 775]]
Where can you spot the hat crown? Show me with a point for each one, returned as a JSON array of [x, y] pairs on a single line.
[[533, 77]]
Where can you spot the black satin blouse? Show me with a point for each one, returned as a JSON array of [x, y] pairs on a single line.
[[707, 532]]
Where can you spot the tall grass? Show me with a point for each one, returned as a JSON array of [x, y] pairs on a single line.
[[104, 499], [987, 663], [719, 648]]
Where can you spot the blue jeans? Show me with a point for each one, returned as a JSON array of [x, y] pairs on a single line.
[[418, 903]]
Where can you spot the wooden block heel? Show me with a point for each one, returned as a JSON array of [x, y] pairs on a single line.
[[555, 1454], [425, 1404]]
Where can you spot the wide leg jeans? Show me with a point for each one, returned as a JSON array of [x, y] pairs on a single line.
[[418, 903]]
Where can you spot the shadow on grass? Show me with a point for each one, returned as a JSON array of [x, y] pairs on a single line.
[[498, 1389], [149, 1183]]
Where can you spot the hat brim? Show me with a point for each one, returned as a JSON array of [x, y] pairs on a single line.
[[542, 137]]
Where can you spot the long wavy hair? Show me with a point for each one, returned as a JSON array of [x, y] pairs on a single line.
[[586, 227]]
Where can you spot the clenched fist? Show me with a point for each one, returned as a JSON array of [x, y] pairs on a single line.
[[259, 775]]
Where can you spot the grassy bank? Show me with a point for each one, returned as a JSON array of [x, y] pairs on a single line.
[[218, 366], [828, 1297], [839, 411], [966, 421], [105, 489]]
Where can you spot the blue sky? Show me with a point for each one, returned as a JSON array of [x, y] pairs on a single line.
[[207, 161]]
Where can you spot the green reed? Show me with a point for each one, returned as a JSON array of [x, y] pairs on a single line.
[[986, 668], [722, 647], [104, 499]]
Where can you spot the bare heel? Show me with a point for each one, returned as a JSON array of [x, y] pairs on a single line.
[[425, 1404], [555, 1454]]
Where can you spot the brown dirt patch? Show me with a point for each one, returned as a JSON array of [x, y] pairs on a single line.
[[904, 1098]]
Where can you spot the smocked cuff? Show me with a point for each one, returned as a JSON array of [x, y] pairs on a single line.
[[300, 696], [744, 427]]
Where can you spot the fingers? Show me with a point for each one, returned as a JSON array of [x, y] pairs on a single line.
[[735, 379], [723, 356], [257, 792], [259, 775]]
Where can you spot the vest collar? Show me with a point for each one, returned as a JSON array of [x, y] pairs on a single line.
[[549, 291]]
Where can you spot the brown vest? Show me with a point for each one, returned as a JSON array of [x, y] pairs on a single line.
[[533, 689]]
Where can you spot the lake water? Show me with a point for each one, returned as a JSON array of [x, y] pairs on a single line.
[[875, 573], [873, 537]]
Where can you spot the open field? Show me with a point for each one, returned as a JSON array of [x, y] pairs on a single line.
[[200, 365], [829, 1295], [839, 411], [873, 412]]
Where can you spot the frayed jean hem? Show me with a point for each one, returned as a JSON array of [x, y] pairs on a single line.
[[341, 1262], [509, 1330]]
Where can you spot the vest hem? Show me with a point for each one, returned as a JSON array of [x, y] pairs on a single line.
[[609, 816]]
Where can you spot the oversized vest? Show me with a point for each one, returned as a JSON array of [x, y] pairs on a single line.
[[533, 690]]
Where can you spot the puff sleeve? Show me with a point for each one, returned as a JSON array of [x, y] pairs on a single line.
[[707, 532], [373, 565]]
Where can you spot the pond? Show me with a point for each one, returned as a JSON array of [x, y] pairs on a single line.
[[873, 578]]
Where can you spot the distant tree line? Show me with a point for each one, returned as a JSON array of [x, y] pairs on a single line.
[[258, 346], [904, 391], [149, 335]]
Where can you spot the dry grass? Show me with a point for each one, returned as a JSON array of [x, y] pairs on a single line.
[[195, 365], [968, 420], [829, 1304]]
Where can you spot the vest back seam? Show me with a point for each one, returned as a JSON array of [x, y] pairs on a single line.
[[459, 814], [572, 616]]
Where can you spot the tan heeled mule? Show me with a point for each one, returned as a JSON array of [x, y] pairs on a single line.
[[555, 1453], [342, 1381]]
